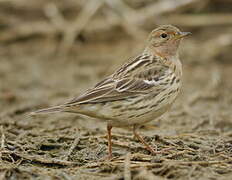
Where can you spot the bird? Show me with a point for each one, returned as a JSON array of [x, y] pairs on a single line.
[[141, 90]]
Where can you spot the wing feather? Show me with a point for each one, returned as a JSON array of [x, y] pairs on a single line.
[[118, 87]]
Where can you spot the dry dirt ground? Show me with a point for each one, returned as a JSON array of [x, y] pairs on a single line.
[[198, 129]]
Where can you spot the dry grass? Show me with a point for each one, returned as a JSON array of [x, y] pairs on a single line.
[[36, 45]]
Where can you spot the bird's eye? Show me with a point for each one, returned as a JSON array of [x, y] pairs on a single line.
[[163, 35]]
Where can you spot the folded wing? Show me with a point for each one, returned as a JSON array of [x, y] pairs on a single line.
[[145, 78]]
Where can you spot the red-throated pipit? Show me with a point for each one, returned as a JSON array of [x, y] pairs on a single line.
[[139, 91]]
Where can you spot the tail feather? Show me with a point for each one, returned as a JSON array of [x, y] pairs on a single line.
[[54, 109]]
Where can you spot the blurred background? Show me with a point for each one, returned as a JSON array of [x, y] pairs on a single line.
[[53, 50]]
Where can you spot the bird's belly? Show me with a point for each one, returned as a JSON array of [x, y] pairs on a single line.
[[147, 110]]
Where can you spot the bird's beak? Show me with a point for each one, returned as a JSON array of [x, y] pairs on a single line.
[[183, 34]]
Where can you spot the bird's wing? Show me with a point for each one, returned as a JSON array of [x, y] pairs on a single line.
[[137, 81]]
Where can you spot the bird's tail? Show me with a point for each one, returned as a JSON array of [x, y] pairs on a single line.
[[54, 109]]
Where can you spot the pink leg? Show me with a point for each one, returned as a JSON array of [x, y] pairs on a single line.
[[109, 127], [140, 138]]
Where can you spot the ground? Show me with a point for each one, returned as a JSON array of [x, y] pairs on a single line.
[[33, 75]]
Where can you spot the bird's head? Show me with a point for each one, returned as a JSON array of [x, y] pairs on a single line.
[[164, 40]]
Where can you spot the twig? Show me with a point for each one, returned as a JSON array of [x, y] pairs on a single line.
[[50, 161], [139, 164], [74, 29], [75, 143], [127, 171], [2, 138], [176, 154], [202, 163], [199, 20], [125, 16], [27, 30], [158, 8], [55, 16]]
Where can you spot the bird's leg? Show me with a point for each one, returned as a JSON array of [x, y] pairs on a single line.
[[109, 127], [140, 138]]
